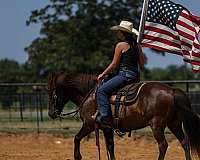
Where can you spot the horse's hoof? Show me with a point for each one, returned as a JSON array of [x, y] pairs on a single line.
[[119, 133], [78, 157]]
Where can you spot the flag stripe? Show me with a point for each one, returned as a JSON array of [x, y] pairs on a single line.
[[158, 29], [159, 39], [186, 45], [193, 62], [187, 26], [155, 34], [196, 50], [185, 19], [161, 47], [197, 59], [191, 18], [185, 52], [190, 58], [162, 27], [195, 70], [196, 54], [197, 46], [184, 34]]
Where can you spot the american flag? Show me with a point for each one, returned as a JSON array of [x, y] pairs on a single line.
[[169, 27]]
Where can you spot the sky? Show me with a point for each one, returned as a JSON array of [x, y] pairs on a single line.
[[15, 35]]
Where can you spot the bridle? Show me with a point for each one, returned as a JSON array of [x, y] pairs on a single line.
[[54, 97], [75, 112]]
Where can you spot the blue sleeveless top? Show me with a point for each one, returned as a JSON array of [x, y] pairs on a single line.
[[129, 59]]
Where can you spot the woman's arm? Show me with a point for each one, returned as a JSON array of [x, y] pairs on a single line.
[[141, 57], [116, 60]]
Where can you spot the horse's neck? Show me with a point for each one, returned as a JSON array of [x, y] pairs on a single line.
[[81, 94], [77, 100], [80, 99]]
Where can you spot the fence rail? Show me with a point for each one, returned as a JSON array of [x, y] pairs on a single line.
[[25, 105]]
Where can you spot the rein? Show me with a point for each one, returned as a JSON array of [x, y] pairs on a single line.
[[62, 115], [75, 112]]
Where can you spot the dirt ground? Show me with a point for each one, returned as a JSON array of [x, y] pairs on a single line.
[[56, 147]]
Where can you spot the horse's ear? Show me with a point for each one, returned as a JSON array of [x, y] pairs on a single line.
[[51, 80], [51, 75]]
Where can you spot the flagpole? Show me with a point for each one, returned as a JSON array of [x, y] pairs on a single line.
[[142, 20]]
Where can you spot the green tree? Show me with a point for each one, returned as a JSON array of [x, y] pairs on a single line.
[[13, 72], [75, 34], [172, 72], [9, 71]]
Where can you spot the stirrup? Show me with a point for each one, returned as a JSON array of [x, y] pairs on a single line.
[[95, 115], [119, 133]]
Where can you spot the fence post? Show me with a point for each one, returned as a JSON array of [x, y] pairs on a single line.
[[41, 107], [37, 109], [31, 106], [10, 114], [187, 87], [22, 106]]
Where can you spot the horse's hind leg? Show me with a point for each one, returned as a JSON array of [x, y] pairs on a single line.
[[84, 131], [158, 133], [177, 130], [109, 137]]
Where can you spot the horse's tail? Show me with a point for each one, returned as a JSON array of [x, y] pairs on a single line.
[[191, 121]]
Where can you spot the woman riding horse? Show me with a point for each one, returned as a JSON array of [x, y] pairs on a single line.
[[157, 105], [127, 55]]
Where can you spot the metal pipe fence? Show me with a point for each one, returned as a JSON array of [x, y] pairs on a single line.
[[24, 106]]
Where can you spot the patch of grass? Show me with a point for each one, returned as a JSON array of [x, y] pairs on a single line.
[[64, 132]]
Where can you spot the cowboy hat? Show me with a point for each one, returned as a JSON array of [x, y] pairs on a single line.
[[125, 26]]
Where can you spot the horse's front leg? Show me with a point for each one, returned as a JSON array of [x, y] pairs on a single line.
[[109, 137], [84, 131]]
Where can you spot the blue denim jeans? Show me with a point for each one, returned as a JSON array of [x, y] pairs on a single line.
[[106, 89]]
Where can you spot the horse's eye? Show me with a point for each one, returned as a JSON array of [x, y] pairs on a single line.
[[55, 96]]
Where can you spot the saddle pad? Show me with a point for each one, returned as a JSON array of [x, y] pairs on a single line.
[[129, 92]]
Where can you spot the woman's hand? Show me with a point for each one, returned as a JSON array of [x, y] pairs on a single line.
[[100, 77]]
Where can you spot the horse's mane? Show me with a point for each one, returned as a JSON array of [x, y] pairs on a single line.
[[79, 81]]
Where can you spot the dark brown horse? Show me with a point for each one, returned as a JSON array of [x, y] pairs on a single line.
[[158, 106]]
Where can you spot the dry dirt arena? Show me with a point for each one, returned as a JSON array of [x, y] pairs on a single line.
[[56, 147]]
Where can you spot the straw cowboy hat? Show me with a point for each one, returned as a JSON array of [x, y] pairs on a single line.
[[125, 26]]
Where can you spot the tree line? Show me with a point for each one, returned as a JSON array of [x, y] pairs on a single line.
[[11, 71], [75, 36]]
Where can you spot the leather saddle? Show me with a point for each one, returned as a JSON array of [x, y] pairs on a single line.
[[127, 95], [122, 99]]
